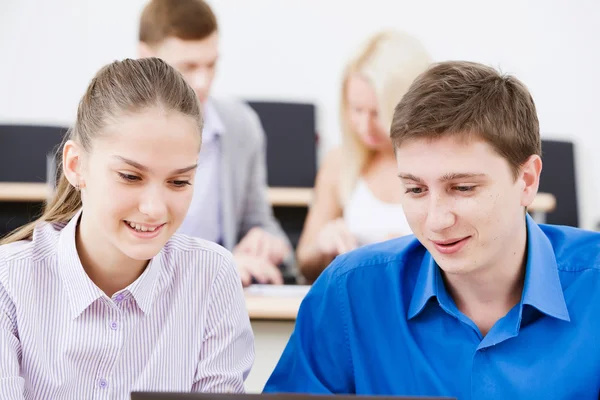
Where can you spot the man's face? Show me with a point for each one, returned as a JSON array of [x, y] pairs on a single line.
[[195, 59], [463, 202]]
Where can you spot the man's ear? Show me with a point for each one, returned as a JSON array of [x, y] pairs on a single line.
[[530, 179]]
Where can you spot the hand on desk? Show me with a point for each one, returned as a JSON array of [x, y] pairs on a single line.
[[258, 254], [258, 268], [335, 238]]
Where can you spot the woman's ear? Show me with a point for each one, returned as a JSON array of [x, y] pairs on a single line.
[[72, 164]]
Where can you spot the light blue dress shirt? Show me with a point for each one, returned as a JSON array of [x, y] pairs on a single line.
[[203, 219], [380, 320]]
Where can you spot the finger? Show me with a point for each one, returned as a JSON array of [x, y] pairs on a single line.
[[257, 270], [263, 246], [244, 242], [283, 248], [278, 250], [286, 249], [340, 245], [272, 273], [347, 237], [245, 276], [248, 242], [345, 241], [349, 240], [329, 245]]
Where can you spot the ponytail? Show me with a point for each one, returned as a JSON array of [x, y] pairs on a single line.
[[63, 205]]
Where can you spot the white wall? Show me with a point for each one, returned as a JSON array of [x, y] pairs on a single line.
[[295, 49]]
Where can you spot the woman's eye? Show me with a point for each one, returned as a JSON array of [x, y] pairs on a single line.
[[181, 183], [129, 177]]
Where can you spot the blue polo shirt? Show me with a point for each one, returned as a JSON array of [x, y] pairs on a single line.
[[379, 320]]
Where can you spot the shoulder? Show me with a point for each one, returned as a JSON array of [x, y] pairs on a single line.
[[9, 253], [577, 253], [197, 258], [237, 113], [330, 167], [42, 244], [575, 249], [188, 248], [19, 260], [372, 277], [376, 262], [333, 158], [204, 270]]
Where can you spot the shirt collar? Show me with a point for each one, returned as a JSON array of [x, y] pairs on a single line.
[[426, 286], [145, 288], [213, 125], [542, 288], [82, 291]]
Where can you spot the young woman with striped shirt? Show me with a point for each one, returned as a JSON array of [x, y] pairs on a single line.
[[98, 297]]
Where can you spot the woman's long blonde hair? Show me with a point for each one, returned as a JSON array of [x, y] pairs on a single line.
[[390, 61], [120, 88]]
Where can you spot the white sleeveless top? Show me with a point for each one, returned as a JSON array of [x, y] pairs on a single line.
[[371, 220]]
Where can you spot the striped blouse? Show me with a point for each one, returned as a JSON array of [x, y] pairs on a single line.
[[182, 326]]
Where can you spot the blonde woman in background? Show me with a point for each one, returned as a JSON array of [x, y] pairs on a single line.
[[357, 193]]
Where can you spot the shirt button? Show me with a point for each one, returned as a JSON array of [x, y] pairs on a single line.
[[119, 298], [114, 325], [102, 383]]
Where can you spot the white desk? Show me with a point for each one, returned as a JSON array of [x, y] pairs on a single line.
[[24, 192]]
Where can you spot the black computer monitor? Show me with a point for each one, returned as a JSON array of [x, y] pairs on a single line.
[[270, 396], [291, 142]]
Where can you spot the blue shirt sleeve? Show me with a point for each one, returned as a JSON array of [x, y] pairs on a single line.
[[317, 358]]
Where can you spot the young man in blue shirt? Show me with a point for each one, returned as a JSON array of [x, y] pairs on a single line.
[[482, 303]]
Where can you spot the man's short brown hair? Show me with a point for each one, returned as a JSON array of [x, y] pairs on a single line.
[[467, 98], [183, 19]]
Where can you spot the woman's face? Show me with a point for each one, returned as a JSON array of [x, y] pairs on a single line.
[[363, 114], [138, 182]]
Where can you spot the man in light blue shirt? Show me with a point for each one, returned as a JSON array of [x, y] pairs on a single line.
[[482, 302], [204, 215], [230, 204]]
